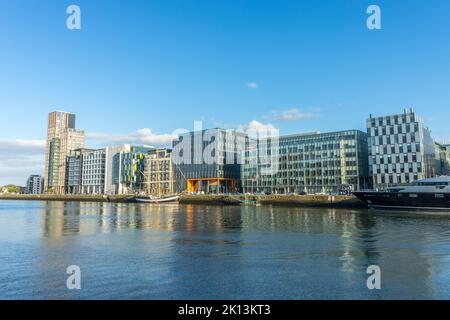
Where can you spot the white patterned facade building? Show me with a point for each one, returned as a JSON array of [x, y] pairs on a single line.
[[401, 150]]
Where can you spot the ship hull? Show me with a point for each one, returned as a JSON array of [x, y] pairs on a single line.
[[157, 200], [405, 200]]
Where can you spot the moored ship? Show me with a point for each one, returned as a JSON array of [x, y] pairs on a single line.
[[432, 193]]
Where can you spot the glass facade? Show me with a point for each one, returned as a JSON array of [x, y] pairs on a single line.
[[61, 139], [211, 161], [93, 171], [332, 162], [73, 172]]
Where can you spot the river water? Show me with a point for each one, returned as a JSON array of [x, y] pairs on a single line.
[[171, 251]]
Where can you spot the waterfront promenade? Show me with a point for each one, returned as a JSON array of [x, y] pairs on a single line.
[[336, 201]]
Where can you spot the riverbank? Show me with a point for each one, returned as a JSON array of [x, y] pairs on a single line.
[[338, 201], [326, 201], [55, 197]]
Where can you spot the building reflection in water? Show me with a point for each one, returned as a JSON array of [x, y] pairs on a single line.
[[86, 218], [212, 241]]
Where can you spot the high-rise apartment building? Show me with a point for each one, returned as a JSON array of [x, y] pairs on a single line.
[[401, 149], [62, 137]]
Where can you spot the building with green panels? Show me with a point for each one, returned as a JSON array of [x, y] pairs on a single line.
[[132, 168], [310, 163]]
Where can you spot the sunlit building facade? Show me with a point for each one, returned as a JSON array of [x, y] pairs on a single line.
[[74, 163], [93, 171], [131, 176], [208, 161], [401, 150], [158, 173], [62, 137], [333, 162], [35, 184]]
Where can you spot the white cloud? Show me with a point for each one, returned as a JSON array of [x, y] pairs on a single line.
[[143, 136], [257, 129], [252, 85], [19, 159], [293, 114]]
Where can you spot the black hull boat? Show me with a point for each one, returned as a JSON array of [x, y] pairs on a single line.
[[405, 200], [430, 194]]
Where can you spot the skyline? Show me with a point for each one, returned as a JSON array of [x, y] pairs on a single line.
[[148, 69]]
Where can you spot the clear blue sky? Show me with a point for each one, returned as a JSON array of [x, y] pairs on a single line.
[[163, 64]]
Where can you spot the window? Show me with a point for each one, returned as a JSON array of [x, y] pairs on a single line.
[[439, 196]]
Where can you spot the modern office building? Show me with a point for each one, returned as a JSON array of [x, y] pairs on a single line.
[[35, 184], [158, 173], [93, 171], [401, 149], [131, 176], [61, 139], [113, 167], [443, 158], [85, 171], [208, 161], [74, 171], [310, 163]]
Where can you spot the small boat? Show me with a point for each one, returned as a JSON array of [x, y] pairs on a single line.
[[157, 199], [433, 193]]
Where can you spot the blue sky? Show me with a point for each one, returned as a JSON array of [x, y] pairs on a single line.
[[160, 65]]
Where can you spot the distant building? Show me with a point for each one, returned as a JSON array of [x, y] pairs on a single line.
[[61, 139], [401, 149], [443, 156], [35, 184], [310, 163], [158, 172]]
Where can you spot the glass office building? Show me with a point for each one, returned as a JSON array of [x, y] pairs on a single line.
[[334, 162], [131, 174], [93, 171], [158, 173], [208, 161], [73, 172]]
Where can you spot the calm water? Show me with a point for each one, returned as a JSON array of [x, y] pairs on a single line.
[[139, 251]]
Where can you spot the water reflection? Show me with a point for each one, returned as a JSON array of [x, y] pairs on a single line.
[[191, 251]]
